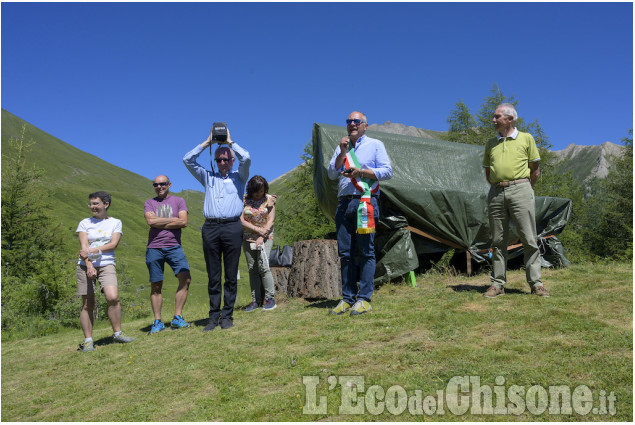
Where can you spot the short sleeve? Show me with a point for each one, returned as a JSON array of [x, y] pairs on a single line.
[[148, 207], [532, 153], [81, 227], [118, 228], [182, 206], [486, 155]]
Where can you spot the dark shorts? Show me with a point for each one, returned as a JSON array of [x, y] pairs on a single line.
[[156, 258]]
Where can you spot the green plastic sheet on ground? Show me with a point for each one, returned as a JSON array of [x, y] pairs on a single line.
[[439, 187], [395, 252]]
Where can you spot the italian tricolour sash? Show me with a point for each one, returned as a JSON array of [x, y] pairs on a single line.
[[367, 187]]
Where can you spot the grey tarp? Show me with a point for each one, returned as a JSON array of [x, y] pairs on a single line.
[[438, 186]]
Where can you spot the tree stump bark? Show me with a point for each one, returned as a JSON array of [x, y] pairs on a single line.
[[280, 279], [315, 271]]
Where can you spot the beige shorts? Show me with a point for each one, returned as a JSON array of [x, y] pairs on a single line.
[[106, 275]]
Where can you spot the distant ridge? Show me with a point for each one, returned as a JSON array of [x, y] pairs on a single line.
[[406, 130], [588, 162]]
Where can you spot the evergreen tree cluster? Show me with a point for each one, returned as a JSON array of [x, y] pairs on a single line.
[[298, 214], [609, 215], [37, 276]]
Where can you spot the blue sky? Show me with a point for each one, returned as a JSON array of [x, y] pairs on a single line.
[[140, 84]]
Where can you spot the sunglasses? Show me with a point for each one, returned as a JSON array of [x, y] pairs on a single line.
[[356, 122], [219, 160], [160, 184]]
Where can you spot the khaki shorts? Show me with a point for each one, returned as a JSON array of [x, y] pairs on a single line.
[[106, 275]]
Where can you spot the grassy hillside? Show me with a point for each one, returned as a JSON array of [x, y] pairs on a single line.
[[416, 338], [72, 174]]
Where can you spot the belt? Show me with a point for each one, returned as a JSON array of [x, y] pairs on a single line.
[[349, 197], [222, 220], [510, 182]]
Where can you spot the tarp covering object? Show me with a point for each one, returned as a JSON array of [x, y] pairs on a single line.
[[439, 187]]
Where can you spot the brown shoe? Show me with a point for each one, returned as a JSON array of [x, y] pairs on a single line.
[[494, 291], [540, 291]]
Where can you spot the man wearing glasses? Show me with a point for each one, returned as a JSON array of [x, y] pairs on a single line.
[[359, 162], [166, 215], [222, 231]]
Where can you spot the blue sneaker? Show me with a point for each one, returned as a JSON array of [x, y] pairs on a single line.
[[157, 327], [270, 304], [179, 322], [252, 306]]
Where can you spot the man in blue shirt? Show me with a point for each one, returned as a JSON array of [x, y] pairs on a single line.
[[359, 163], [222, 231]]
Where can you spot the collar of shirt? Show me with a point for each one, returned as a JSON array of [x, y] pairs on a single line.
[[359, 141], [512, 136]]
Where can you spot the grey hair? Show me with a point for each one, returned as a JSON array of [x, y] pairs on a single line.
[[362, 114], [509, 110]]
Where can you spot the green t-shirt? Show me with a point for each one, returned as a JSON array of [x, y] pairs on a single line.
[[509, 158]]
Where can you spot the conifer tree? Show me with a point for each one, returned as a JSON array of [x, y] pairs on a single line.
[[36, 275], [610, 214], [301, 217]]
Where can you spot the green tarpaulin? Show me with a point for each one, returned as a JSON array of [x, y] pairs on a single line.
[[439, 187]]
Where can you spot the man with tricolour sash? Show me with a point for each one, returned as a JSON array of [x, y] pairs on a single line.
[[360, 163]]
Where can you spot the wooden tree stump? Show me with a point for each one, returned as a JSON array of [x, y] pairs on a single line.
[[280, 279], [315, 271]]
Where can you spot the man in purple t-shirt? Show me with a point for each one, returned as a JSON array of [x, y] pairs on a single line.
[[166, 215]]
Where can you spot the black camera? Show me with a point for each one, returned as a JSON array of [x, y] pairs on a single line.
[[219, 132]]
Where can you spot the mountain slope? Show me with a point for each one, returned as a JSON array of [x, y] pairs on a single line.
[[71, 174], [588, 162], [406, 130]]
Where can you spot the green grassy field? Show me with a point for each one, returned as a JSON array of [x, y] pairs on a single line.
[[415, 338]]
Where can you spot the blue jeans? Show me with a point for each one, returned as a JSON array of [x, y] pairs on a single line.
[[348, 243]]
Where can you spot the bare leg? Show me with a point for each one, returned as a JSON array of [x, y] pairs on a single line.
[[114, 307], [181, 292], [156, 299], [86, 315]]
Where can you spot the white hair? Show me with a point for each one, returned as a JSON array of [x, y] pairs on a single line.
[[509, 110]]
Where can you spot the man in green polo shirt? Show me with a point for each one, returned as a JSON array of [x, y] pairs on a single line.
[[511, 168]]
